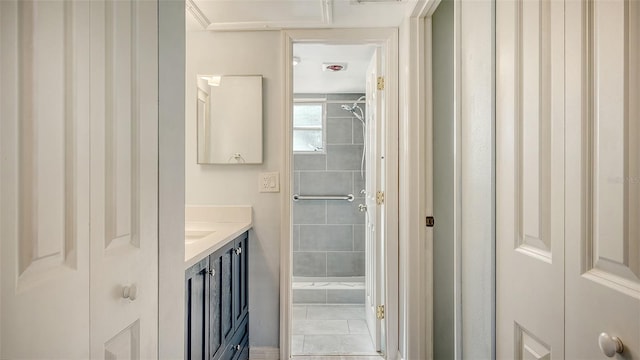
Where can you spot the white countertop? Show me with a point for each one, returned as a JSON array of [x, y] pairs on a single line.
[[212, 227]]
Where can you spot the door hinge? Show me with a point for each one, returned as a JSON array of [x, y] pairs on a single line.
[[380, 83], [430, 221], [380, 197], [380, 312]]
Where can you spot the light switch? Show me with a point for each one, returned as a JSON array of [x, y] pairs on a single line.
[[269, 182]]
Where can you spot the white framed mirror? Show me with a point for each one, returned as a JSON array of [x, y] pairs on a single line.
[[229, 116]]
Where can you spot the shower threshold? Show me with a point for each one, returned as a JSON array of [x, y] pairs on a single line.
[[328, 290], [328, 283]]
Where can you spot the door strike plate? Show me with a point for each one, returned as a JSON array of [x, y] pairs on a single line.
[[430, 221]]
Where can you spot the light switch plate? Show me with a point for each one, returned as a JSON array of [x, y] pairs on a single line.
[[269, 182]]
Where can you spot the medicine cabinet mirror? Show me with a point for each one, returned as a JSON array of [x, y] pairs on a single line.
[[229, 116]]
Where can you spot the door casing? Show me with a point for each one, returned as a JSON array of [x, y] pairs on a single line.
[[388, 39]]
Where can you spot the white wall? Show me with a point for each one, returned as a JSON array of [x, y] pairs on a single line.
[[443, 163], [243, 53]]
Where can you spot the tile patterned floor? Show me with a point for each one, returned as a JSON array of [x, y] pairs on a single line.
[[331, 330]]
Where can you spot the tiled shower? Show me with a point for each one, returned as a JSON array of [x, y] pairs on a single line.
[[329, 235]]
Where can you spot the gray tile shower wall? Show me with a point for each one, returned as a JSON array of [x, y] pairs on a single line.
[[328, 236]]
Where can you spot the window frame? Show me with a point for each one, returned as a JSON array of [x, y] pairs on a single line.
[[323, 128]]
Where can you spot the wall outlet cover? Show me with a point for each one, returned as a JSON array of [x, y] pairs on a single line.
[[269, 182]]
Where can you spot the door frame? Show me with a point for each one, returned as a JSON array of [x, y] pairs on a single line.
[[474, 158], [171, 177], [388, 39]]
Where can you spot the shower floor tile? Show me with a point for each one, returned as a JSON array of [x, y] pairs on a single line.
[[331, 330]]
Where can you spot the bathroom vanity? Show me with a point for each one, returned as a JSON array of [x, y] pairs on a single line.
[[216, 283]]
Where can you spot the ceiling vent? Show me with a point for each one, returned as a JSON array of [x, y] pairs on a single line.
[[333, 67]]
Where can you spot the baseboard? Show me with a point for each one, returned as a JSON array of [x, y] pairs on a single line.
[[264, 353]]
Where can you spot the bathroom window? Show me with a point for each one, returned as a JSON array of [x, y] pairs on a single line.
[[308, 126]]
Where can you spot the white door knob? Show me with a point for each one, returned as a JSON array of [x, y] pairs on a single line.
[[610, 345], [129, 292]]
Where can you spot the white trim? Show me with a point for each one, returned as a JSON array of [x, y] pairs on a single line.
[[197, 14], [389, 39], [264, 353], [457, 179], [285, 205], [425, 8], [417, 186], [474, 178], [325, 19], [413, 193], [427, 183], [171, 178]]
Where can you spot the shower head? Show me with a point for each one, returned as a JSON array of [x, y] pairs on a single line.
[[347, 107], [355, 110], [355, 106]]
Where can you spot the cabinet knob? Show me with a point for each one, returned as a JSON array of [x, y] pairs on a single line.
[[238, 250], [610, 345], [238, 347], [129, 292]]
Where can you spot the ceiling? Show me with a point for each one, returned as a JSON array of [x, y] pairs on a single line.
[[284, 14], [230, 15], [310, 78]]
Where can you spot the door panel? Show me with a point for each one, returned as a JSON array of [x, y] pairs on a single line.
[[215, 307], [603, 168], [196, 327], [79, 140], [530, 179], [125, 344], [240, 286], [227, 291], [612, 246], [44, 222], [124, 178], [374, 240]]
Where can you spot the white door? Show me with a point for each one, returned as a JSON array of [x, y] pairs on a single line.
[[530, 179], [603, 177], [557, 295], [124, 153], [79, 132], [374, 241], [44, 155]]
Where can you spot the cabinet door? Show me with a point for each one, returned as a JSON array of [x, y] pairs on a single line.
[[216, 338], [196, 329], [240, 277], [226, 300]]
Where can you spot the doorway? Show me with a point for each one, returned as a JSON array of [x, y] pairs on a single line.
[[332, 260], [339, 253]]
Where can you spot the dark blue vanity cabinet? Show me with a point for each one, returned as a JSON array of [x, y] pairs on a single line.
[[217, 309]]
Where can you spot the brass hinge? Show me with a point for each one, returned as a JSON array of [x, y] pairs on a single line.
[[380, 83], [380, 312], [380, 197]]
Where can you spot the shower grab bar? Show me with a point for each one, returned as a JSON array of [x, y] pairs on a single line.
[[349, 197]]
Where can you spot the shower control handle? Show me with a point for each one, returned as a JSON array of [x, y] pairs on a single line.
[[362, 207]]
